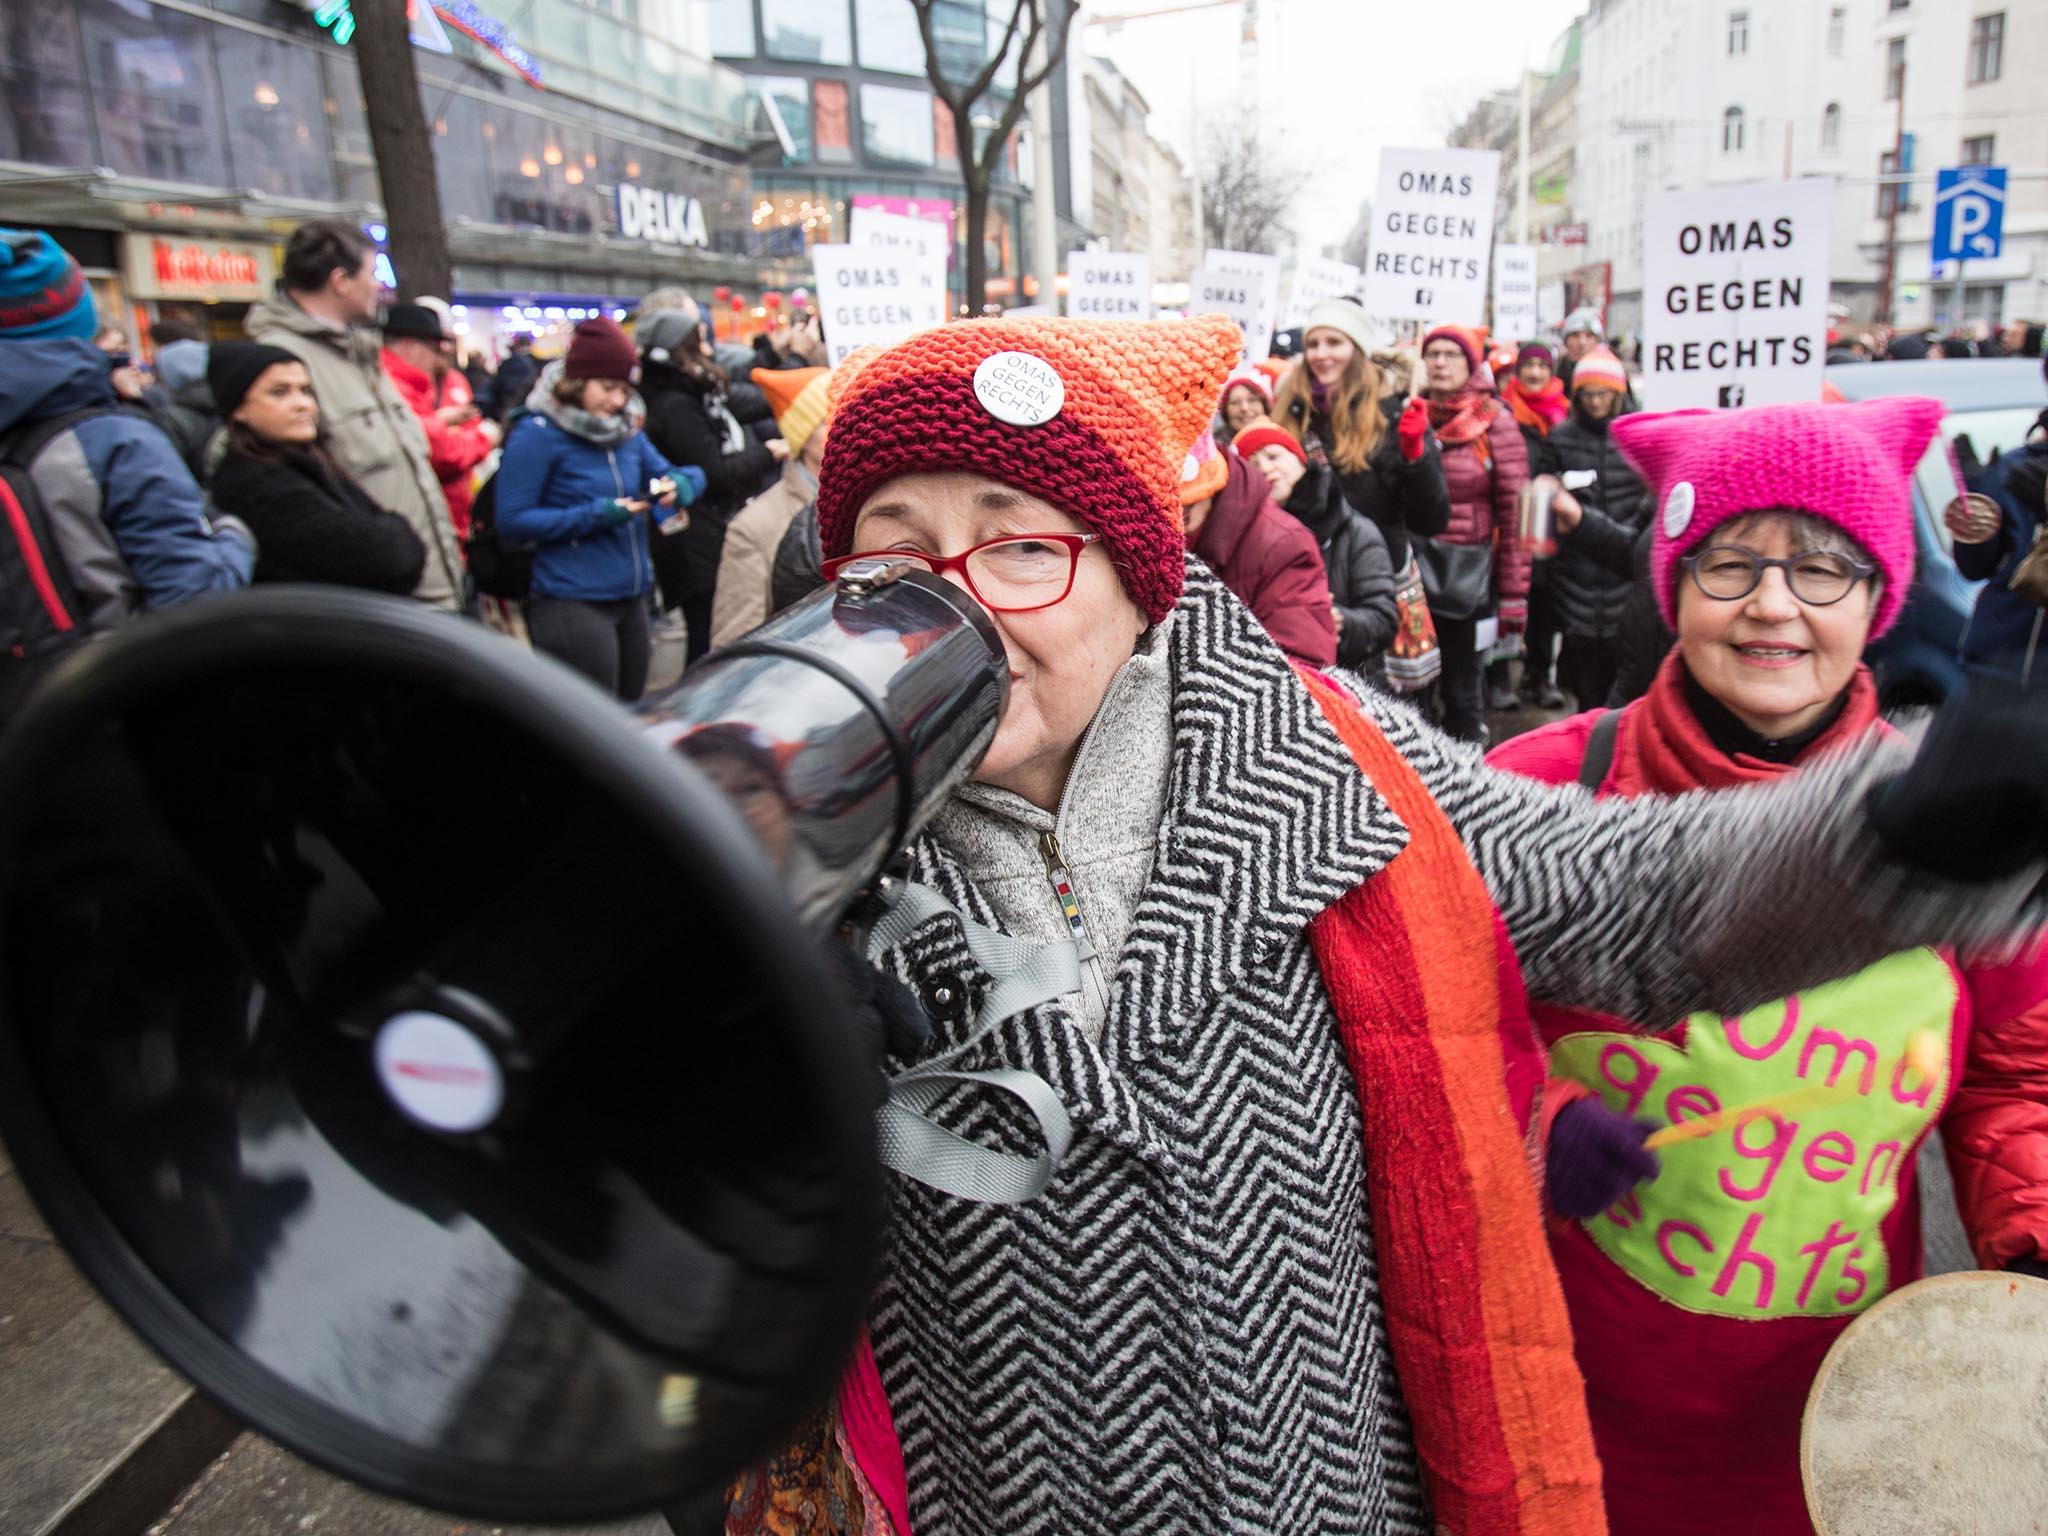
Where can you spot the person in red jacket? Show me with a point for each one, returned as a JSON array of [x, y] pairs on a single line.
[[458, 439], [1267, 558], [1474, 568], [1707, 1280]]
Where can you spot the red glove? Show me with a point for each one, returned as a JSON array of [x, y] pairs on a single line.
[[1414, 428]]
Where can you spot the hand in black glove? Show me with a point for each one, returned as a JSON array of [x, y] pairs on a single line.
[[2037, 1267], [1595, 1157], [1973, 805], [886, 1011]]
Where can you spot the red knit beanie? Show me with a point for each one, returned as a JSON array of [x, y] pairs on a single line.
[[1264, 434], [600, 350], [1095, 416]]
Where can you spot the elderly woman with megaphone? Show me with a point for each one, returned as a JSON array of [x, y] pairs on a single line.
[[1276, 1258]]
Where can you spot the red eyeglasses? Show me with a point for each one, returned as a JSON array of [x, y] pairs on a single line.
[[1017, 574]]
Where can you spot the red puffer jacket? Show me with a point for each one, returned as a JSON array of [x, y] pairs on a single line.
[[1271, 561], [1484, 483]]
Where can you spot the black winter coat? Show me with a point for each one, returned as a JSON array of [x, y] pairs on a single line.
[[686, 424], [511, 384], [1360, 569], [1400, 498], [313, 524], [798, 568], [1642, 641], [1589, 581]]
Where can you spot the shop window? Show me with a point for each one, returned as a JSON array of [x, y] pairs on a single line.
[[889, 38], [277, 134], [154, 91], [732, 28], [355, 164], [832, 121], [462, 155], [44, 112], [810, 31], [896, 125]]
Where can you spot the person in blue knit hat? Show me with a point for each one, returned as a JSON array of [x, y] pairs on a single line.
[[109, 481]]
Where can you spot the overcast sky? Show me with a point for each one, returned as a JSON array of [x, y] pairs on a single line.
[[1338, 80]]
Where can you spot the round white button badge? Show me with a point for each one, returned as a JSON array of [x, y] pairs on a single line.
[[1678, 509], [1018, 388], [439, 1073]]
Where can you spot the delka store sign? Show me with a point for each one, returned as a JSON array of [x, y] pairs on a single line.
[[213, 271], [662, 218]]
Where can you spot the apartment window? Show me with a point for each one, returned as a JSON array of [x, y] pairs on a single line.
[[1895, 69], [732, 28], [1982, 150], [1831, 128], [1731, 131], [1738, 34], [1891, 196], [1838, 29], [1987, 47]]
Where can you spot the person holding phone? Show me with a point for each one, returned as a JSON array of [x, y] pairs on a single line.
[[416, 361], [577, 479]]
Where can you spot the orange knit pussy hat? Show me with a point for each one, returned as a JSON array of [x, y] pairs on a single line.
[[1094, 416]]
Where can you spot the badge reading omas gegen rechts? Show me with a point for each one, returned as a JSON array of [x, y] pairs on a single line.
[[1018, 388]]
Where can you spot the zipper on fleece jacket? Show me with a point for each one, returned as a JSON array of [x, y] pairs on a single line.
[[1094, 979]]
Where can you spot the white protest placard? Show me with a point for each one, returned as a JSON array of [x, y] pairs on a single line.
[[873, 294], [1514, 293], [877, 227], [1432, 227], [1550, 306], [1735, 294], [1318, 278], [1244, 285], [1109, 285]]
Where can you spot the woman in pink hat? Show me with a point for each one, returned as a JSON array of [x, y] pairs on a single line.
[[1247, 397], [1706, 1279]]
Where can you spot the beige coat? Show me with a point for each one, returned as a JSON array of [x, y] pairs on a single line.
[[741, 600], [371, 432]]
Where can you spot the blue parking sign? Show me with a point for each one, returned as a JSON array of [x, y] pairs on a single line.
[[1969, 213]]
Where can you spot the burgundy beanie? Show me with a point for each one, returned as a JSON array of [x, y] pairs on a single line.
[[1095, 416], [1467, 341], [600, 350], [1850, 465]]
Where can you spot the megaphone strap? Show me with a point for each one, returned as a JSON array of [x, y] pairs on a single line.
[[1025, 975]]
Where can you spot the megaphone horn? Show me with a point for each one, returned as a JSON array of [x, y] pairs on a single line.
[[439, 1067]]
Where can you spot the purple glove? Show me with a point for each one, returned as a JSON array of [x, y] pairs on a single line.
[[1596, 1157]]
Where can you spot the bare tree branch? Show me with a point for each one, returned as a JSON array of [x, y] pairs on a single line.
[[1249, 190]]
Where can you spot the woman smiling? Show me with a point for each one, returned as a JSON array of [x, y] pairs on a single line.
[[1784, 544]]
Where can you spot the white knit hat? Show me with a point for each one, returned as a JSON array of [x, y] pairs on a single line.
[[1343, 317]]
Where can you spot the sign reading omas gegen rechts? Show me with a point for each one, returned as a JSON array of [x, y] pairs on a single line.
[[1432, 230], [873, 294], [1735, 294], [1109, 285]]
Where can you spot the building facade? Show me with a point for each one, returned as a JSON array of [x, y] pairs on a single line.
[[843, 88], [1675, 94], [1960, 83], [173, 145]]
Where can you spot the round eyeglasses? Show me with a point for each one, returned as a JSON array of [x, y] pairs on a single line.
[[1017, 574], [1728, 572]]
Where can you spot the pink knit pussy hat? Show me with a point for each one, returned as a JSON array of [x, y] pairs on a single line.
[[1851, 465]]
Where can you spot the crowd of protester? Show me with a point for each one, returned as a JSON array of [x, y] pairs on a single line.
[[1464, 523]]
